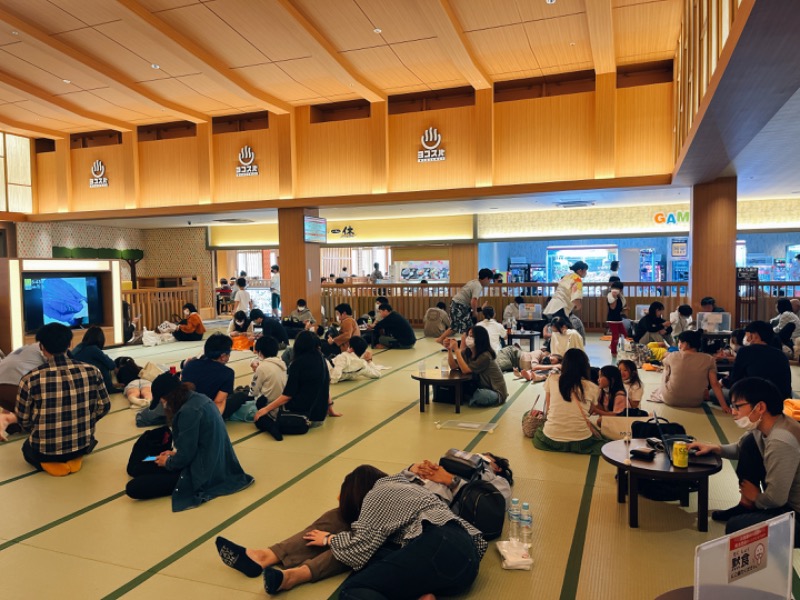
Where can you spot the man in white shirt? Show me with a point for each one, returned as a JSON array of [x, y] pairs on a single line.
[[511, 312], [12, 369], [275, 289], [569, 293], [497, 332]]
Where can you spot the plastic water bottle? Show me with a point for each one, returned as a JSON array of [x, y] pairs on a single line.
[[621, 345], [513, 520], [445, 366], [421, 367], [526, 525]]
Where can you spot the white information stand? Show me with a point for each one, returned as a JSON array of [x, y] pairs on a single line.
[[751, 564]]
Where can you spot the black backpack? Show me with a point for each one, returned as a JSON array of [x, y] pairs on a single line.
[[479, 503], [151, 443], [648, 429]]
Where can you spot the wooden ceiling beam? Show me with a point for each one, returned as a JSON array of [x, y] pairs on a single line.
[[25, 130], [189, 50], [325, 52], [40, 96], [442, 17], [601, 36], [100, 70]]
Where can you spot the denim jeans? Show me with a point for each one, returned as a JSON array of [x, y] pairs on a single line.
[[484, 397], [443, 560]]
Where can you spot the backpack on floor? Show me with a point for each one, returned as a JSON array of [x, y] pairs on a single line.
[[479, 503], [151, 443]]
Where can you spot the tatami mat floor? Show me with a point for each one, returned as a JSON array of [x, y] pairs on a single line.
[[81, 537]]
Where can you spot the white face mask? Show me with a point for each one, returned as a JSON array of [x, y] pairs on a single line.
[[240, 323], [186, 312], [470, 342], [746, 424]]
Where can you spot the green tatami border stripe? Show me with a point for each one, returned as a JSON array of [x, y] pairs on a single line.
[[134, 583], [57, 522], [469, 447], [715, 424], [569, 586]]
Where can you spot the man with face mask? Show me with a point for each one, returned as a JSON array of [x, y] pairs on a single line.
[[759, 358], [768, 455]]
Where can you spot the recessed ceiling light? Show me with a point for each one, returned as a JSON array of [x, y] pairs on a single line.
[[572, 43], [66, 81], [377, 30], [550, 1], [15, 33], [155, 66]]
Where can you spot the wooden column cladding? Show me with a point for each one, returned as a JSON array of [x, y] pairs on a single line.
[[605, 125], [713, 243], [299, 261]]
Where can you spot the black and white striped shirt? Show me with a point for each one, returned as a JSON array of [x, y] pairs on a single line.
[[394, 511]]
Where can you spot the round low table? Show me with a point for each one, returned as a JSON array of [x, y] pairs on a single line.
[[453, 378], [524, 335], [659, 469]]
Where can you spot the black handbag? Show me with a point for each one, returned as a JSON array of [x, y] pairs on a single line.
[[151, 443], [461, 463], [648, 429]]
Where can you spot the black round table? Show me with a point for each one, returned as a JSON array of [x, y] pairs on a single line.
[[453, 378], [659, 468]]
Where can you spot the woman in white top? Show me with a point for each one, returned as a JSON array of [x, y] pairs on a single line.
[[562, 338], [570, 396], [569, 293], [787, 317]]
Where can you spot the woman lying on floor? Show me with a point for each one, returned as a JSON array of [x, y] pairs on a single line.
[[304, 562]]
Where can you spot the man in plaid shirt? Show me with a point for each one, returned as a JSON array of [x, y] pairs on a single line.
[[60, 403]]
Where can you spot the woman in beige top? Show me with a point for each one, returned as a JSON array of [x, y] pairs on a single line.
[[688, 373]]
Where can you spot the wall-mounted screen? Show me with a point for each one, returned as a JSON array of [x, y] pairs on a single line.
[[315, 230], [71, 299]]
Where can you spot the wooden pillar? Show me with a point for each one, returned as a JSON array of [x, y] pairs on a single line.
[[286, 127], [205, 163], [605, 125], [463, 262], [379, 130], [713, 243], [484, 138], [299, 262]]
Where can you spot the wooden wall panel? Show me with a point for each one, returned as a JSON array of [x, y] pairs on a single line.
[[229, 187], [463, 262], [545, 139], [101, 198], [406, 253], [605, 117], [300, 262], [335, 158], [47, 185], [457, 128], [644, 130], [168, 172]]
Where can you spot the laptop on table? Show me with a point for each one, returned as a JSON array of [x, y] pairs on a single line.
[[668, 442]]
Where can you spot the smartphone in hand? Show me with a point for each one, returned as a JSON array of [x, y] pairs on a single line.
[[149, 459]]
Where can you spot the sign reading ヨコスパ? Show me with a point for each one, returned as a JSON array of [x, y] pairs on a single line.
[[679, 217], [247, 166], [431, 152], [98, 175]]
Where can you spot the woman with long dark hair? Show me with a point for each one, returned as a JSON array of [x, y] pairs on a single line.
[[788, 326], [613, 398], [90, 351], [475, 355], [307, 390], [203, 464], [651, 327], [569, 398]]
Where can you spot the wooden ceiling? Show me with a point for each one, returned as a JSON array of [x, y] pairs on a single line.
[[68, 66]]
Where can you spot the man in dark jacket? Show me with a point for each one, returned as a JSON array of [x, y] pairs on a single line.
[[393, 330]]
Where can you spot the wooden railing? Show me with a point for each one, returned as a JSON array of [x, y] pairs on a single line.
[[412, 301], [156, 305], [757, 302]]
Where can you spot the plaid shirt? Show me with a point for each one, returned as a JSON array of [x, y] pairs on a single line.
[[394, 510], [60, 403]]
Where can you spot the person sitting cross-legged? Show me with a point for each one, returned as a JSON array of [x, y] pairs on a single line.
[[768, 457], [353, 363], [393, 330], [59, 404]]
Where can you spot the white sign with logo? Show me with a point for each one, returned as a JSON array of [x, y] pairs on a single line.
[[431, 152], [747, 553], [98, 175], [247, 166]]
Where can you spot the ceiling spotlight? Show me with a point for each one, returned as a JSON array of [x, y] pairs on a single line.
[[572, 43], [15, 33], [550, 1], [377, 30], [155, 66], [66, 81]]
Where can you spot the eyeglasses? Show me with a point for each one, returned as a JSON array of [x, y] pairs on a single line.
[[740, 405]]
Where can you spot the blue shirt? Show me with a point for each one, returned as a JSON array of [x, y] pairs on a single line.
[[208, 376]]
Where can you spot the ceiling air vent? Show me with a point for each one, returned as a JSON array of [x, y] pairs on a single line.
[[574, 204], [234, 221]]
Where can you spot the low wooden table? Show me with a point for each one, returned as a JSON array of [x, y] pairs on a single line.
[[524, 335], [659, 468], [453, 378]]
